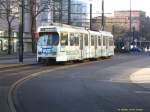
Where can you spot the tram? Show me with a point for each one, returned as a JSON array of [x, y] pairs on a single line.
[[64, 43]]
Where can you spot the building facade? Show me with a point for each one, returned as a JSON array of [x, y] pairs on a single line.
[[109, 23], [120, 23], [125, 32], [62, 11], [137, 18], [9, 13]]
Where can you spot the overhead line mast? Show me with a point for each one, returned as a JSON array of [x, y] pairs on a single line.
[[102, 24]]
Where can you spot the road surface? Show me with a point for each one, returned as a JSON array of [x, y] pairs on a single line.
[[102, 86]]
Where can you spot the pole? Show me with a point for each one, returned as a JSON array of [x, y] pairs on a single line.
[[69, 12], [113, 29], [90, 16], [102, 23], [141, 37], [133, 35], [21, 30], [130, 24], [130, 32], [61, 11]]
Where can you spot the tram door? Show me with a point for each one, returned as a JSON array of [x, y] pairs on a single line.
[[104, 46], [86, 46], [107, 46], [1, 45], [95, 46], [81, 46]]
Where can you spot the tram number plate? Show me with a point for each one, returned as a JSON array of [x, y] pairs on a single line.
[[46, 50]]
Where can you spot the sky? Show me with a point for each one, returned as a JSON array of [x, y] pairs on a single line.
[[112, 5]]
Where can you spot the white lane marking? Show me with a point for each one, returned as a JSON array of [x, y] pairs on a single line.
[[146, 86], [142, 92], [119, 80]]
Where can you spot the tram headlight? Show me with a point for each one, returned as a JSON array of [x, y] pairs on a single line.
[[53, 53], [39, 52]]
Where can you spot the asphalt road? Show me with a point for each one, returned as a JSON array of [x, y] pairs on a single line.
[[101, 86], [9, 76]]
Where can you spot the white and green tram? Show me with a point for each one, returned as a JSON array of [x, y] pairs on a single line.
[[65, 43]]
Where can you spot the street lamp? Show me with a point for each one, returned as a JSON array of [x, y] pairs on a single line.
[[21, 30]]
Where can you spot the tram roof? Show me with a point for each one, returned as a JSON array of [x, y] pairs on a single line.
[[63, 27]]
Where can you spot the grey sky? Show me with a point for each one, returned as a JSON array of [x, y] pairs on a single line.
[[112, 5]]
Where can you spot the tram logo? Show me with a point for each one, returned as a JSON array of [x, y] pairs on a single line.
[[46, 51]]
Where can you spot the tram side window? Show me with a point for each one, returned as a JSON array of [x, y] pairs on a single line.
[[107, 41], [111, 42], [104, 41], [99, 41], [86, 40], [64, 38], [76, 39], [71, 39], [92, 40]]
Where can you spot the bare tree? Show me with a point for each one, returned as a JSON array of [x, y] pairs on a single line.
[[8, 14], [36, 7]]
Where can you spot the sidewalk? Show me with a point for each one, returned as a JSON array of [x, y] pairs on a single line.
[[10, 61], [16, 55], [141, 76]]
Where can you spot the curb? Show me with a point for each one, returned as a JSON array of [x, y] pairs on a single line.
[[16, 65], [11, 58]]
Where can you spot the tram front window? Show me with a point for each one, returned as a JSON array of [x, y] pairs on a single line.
[[48, 39]]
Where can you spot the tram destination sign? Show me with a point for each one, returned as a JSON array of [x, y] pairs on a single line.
[[47, 29]]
